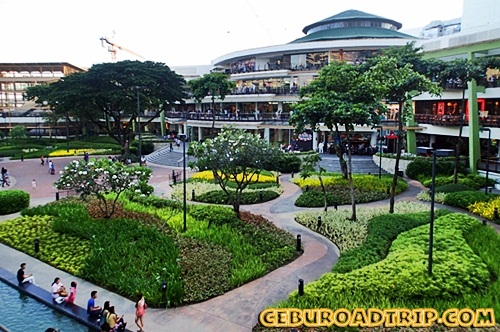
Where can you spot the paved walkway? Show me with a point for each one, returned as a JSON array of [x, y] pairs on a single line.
[[236, 310]]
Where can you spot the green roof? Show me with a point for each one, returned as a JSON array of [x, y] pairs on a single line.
[[350, 15], [351, 33]]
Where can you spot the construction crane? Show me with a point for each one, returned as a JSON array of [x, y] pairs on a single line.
[[112, 48]]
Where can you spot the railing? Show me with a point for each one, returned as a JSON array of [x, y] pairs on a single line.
[[242, 117], [455, 120]]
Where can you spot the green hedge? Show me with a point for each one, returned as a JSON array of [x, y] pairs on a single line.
[[422, 167], [382, 230], [452, 188], [12, 201], [473, 181], [465, 198], [251, 197]]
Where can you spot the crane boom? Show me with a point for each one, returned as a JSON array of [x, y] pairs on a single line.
[[113, 46]]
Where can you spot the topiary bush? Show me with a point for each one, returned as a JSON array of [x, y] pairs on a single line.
[[289, 163], [473, 181], [422, 168], [12, 201], [452, 187], [465, 198], [251, 197]]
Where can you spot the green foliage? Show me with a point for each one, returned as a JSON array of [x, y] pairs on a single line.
[[12, 201], [367, 188], [401, 279], [251, 197], [465, 198], [18, 132], [346, 234], [146, 147], [451, 188], [473, 181], [288, 163], [63, 251], [212, 214], [422, 167], [382, 231], [101, 177]]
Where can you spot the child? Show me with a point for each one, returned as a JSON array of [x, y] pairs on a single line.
[[33, 184]]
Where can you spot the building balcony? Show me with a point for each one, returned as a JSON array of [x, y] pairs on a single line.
[[455, 120]]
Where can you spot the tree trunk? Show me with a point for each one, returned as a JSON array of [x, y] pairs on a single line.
[[339, 151], [398, 157], [349, 176], [459, 139], [236, 204], [323, 189]]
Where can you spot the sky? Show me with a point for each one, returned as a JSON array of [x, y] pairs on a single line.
[[179, 32]]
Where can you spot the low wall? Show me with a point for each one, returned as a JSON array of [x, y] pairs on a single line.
[[388, 164]]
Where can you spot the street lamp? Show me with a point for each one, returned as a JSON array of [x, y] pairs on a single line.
[[139, 124], [431, 227], [67, 132], [486, 186], [380, 152], [184, 180]]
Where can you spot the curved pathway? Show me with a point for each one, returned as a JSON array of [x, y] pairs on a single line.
[[236, 310]]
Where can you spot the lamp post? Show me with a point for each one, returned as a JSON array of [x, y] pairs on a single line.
[[67, 132], [431, 225], [139, 124], [487, 158], [380, 152], [184, 181]]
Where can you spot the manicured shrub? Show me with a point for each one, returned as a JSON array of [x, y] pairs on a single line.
[[465, 198], [289, 163], [12, 201], [382, 230], [486, 209], [401, 279], [251, 197], [451, 188], [422, 167], [472, 181]]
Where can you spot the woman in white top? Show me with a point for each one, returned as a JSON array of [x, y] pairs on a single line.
[[58, 290]]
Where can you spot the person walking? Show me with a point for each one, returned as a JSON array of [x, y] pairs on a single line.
[[140, 310], [33, 185]]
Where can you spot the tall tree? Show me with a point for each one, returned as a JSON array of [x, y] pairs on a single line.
[[456, 74], [216, 85], [109, 91], [234, 156], [343, 95], [401, 84]]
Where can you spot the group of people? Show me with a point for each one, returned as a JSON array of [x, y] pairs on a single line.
[[52, 169], [60, 294], [112, 322]]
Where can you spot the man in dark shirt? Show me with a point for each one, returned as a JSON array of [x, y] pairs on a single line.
[[23, 277]]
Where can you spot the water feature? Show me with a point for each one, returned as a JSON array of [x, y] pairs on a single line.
[[21, 313]]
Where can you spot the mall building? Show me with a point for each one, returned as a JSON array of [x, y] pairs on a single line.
[[268, 79]]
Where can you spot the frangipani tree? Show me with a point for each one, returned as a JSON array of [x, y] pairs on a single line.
[[235, 156], [101, 177]]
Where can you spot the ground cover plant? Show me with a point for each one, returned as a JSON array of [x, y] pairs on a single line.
[[143, 245], [367, 188], [465, 273], [203, 188]]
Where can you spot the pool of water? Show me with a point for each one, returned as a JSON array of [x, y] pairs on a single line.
[[21, 313]]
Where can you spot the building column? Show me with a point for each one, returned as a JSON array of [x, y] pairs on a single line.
[[185, 129], [315, 140], [411, 138], [474, 145], [162, 123], [266, 135], [280, 135], [200, 134]]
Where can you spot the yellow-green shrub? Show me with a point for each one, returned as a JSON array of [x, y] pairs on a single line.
[[485, 209], [209, 176]]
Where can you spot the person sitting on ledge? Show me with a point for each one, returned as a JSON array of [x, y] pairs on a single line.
[[58, 291], [92, 310], [23, 277]]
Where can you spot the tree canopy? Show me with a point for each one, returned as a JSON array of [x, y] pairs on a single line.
[[343, 95], [107, 95], [216, 85], [235, 156]]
